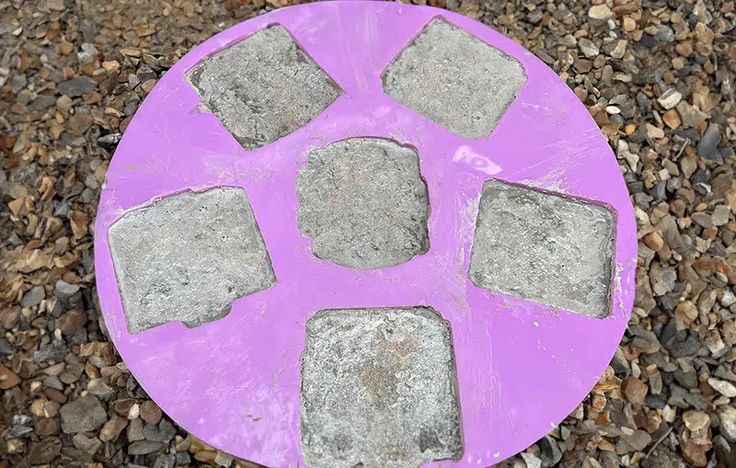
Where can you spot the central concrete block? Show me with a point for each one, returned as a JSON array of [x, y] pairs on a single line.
[[187, 257], [544, 247], [263, 87], [454, 79], [379, 389], [364, 203]]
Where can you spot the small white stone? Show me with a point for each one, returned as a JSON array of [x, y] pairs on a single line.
[[670, 98], [723, 387], [728, 299]]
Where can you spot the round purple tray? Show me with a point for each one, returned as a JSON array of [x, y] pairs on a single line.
[[234, 383]]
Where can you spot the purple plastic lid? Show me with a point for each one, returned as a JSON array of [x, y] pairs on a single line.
[[521, 367]]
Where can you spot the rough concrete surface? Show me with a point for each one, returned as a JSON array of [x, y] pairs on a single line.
[[543, 247], [455, 80], [186, 257], [56, 149], [378, 389], [364, 203], [263, 87]]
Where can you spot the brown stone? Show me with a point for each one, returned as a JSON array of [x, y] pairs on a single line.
[[112, 428], [78, 123], [634, 390], [150, 412], [8, 378], [47, 426], [672, 118], [45, 451], [71, 322], [654, 241]]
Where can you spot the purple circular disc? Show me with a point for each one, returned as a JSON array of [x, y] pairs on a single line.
[[234, 382]]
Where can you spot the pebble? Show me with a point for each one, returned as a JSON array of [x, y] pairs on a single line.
[[708, 144], [45, 451], [703, 219], [42, 102], [695, 420], [82, 415], [588, 48], [620, 49], [163, 432], [695, 453], [728, 299], [8, 378], [727, 417], [165, 461], [77, 86], [183, 458], [87, 54], [98, 387], [55, 5], [654, 241], [33, 297], [635, 441], [725, 452], [551, 453], [144, 447], [721, 215], [670, 98], [150, 412], [223, 459], [600, 12], [723, 387], [87, 444], [5, 347], [654, 132], [79, 123], [662, 457], [672, 118], [64, 291], [109, 140], [691, 117], [619, 363], [531, 460], [112, 428], [634, 390], [71, 322], [662, 279], [135, 430], [683, 344]]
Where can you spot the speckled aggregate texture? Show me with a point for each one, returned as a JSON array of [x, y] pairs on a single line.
[[543, 247], [455, 80], [378, 389], [264, 87], [364, 204], [620, 62], [187, 257]]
